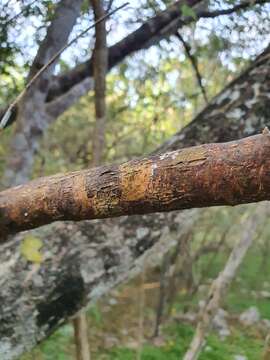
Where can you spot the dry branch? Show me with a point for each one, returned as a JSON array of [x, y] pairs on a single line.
[[207, 175]]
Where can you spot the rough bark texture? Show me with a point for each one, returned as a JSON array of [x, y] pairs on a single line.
[[230, 173], [75, 270]]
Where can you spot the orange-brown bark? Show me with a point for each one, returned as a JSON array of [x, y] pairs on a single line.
[[213, 174]]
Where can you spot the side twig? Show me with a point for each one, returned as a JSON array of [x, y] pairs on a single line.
[[194, 64]]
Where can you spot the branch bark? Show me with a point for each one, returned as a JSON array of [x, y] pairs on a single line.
[[207, 175]]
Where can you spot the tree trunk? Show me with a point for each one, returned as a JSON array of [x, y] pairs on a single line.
[[33, 119]]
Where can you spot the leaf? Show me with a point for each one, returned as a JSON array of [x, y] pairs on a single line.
[[187, 11], [30, 249]]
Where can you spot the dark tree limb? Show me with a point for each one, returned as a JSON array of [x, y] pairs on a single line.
[[150, 33]]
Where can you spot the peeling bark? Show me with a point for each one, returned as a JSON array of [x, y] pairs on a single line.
[[213, 174]]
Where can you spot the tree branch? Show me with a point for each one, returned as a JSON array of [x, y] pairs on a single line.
[[194, 64], [58, 106], [150, 33], [142, 38], [100, 57], [207, 175]]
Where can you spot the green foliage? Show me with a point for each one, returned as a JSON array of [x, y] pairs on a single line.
[[188, 11], [95, 315]]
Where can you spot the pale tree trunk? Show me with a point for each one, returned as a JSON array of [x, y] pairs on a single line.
[[77, 271], [81, 337], [100, 65], [221, 284], [33, 118]]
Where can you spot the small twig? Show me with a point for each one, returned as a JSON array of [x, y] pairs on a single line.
[[8, 113], [194, 64], [109, 6]]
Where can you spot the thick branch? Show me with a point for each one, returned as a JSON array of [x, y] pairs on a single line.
[[207, 175], [150, 33], [142, 38], [56, 107]]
